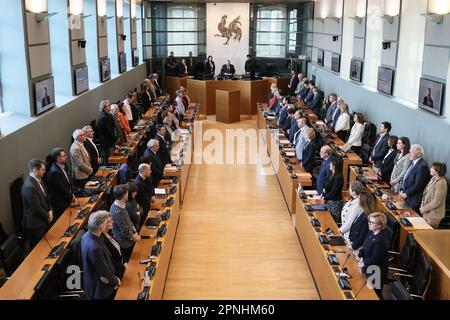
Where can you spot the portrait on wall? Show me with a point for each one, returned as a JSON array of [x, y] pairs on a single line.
[[45, 95]]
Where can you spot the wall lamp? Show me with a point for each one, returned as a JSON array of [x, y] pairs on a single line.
[[335, 19], [322, 20], [123, 18], [104, 18], [41, 16], [435, 17], [388, 19]]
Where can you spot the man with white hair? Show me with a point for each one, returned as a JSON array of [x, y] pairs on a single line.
[[91, 148], [416, 178], [146, 192], [79, 157], [119, 129], [150, 156], [99, 277]]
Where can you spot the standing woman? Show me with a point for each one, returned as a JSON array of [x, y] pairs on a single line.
[[133, 208], [210, 66], [359, 228], [387, 166], [351, 209], [374, 252], [343, 122], [401, 164], [355, 139], [333, 189], [113, 248], [434, 195]]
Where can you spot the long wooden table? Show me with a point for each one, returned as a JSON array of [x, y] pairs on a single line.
[[131, 284], [435, 244], [22, 282], [316, 254]]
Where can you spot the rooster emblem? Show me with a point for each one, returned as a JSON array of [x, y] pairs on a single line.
[[233, 31]]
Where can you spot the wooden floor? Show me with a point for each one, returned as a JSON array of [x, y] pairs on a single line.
[[235, 239]]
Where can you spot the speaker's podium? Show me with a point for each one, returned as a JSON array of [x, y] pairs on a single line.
[[228, 108]]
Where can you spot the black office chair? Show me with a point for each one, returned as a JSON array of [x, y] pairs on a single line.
[[3, 234], [47, 287], [396, 291], [417, 281], [15, 193], [12, 253], [405, 258], [393, 224]]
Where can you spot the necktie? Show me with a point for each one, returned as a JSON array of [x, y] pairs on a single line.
[[411, 166], [42, 188], [376, 144]]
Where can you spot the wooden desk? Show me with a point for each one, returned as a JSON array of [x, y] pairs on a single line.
[[227, 106], [130, 148], [172, 83], [323, 273], [22, 282], [435, 244], [282, 84], [130, 286], [204, 91]]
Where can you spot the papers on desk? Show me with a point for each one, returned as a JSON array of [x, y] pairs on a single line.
[[170, 168], [419, 223], [160, 191], [313, 194], [92, 183], [345, 147], [283, 142], [271, 118], [290, 154]]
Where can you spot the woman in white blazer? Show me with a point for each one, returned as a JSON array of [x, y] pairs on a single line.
[[355, 139], [343, 123], [351, 209]]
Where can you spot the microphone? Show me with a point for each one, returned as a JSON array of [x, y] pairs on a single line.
[[359, 291], [48, 242], [344, 268]]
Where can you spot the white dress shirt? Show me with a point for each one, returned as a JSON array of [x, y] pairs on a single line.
[[356, 135], [127, 110], [343, 122]]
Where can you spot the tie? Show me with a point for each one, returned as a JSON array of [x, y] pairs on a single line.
[[411, 166], [42, 188], [376, 144]]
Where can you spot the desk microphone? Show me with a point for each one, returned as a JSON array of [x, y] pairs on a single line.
[[359, 291], [344, 268], [51, 248]]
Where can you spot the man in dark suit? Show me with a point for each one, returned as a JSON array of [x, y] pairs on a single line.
[[99, 276], [153, 159], [416, 178], [164, 145], [310, 96], [316, 102], [381, 147], [91, 148], [285, 124], [337, 112], [59, 184], [250, 66], [293, 83], [324, 171], [37, 209], [332, 101], [158, 89], [294, 126], [107, 130], [183, 68], [227, 70], [146, 192], [304, 91]]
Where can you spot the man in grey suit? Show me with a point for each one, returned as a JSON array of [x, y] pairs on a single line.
[[79, 157], [37, 209]]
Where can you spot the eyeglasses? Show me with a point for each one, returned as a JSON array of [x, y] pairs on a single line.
[[372, 223]]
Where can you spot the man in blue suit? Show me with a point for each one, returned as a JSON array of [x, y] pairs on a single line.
[[416, 178], [294, 126], [381, 147], [285, 120], [309, 98], [316, 101], [336, 114], [99, 277], [304, 91], [324, 172]]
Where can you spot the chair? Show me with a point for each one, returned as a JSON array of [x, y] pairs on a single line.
[[417, 281], [396, 291], [12, 253], [406, 257], [3, 234], [15, 193], [393, 224]]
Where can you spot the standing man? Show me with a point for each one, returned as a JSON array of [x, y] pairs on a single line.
[[171, 64], [156, 83], [227, 70], [293, 83], [79, 157], [146, 192], [59, 185], [250, 66], [91, 148], [99, 276], [152, 159], [324, 172], [381, 147], [300, 138], [164, 145], [191, 62], [37, 209], [416, 178], [107, 130]]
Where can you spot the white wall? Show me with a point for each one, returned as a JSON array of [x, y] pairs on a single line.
[[235, 51], [347, 38], [374, 39]]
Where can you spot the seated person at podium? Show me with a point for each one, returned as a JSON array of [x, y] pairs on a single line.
[[210, 66], [227, 70], [171, 65]]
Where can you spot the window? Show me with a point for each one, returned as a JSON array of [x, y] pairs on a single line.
[[271, 32], [173, 27], [181, 30], [292, 30]]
